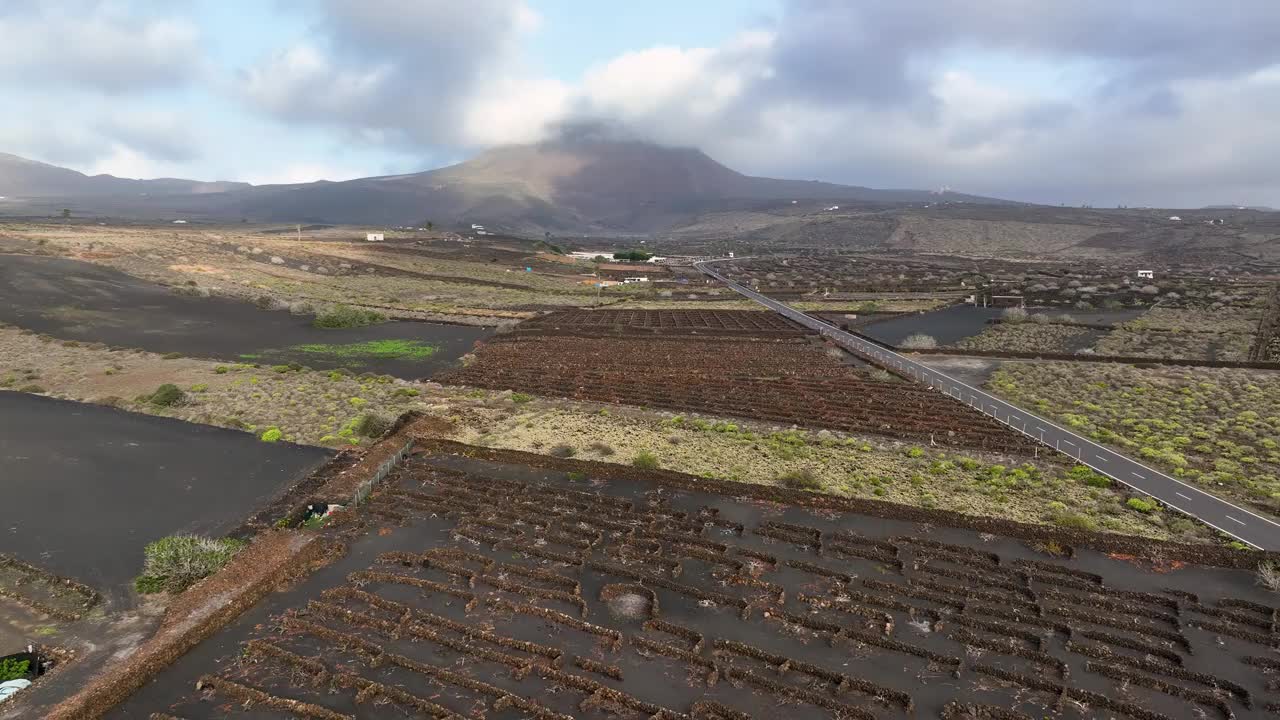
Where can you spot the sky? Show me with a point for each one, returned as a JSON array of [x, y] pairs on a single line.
[[1172, 103]]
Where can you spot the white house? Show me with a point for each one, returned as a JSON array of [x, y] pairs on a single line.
[[1147, 274], [375, 237], [1175, 218]]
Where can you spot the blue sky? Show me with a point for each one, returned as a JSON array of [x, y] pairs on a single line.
[[1167, 102]]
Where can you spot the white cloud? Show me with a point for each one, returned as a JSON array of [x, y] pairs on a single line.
[[111, 47]]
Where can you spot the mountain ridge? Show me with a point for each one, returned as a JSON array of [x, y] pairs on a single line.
[[559, 186]]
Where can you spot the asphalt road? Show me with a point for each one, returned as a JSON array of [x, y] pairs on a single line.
[[1244, 525]]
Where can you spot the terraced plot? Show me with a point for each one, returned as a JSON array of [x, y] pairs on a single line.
[[499, 590], [791, 382], [699, 322]]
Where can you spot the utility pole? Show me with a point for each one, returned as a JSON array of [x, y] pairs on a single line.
[[299, 226]]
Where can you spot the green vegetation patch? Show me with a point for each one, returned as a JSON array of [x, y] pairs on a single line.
[[11, 669], [372, 350], [345, 316], [177, 562]]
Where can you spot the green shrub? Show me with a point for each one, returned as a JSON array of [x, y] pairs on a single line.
[[406, 392], [373, 425], [11, 669], [1076, 521], [167, 395], [148, 584], [33, 388], [1140, 505], [345, 316], [177, 562], [281, 368], [272, 435], [915, 452], [645, 460], [171, 356], [802, 479], [575, 476], [521, 397], [222, 370], [199, 388]]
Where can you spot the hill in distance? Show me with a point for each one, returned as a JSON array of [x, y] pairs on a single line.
[[24, 178], [571, 186]]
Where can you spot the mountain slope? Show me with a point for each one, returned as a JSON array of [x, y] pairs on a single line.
[[20, 177], [582, 186]]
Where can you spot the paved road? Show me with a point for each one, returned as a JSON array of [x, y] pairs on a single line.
[[1246, 526]]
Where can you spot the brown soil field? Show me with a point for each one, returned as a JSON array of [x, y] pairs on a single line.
[[693, 322], [473, 587], [792, 382]]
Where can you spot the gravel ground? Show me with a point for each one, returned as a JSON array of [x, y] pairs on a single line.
[[320, 408]]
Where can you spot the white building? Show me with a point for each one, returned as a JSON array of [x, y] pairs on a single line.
[[375, 237], [1175, 218], [1147, 274]]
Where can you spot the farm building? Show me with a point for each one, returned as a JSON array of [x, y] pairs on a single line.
[[375, 237], [1148, 274]]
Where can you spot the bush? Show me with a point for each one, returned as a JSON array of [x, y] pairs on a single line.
[[167, 395], [645, 460], [802, 479], [521, 398], [562, 451], [1076, 521], [11, 669], [35, 389], [406, 392], [373, 425], [177, 562], [1140, 505], [918, 341], [272, 435], [575, 476], [171, 356], [345, 316], [1014, 315], [222, 370], [1269, 576], [632, 255]]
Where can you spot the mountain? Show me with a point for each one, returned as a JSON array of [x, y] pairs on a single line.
[[575, 186], [572, 186], [20, 177]]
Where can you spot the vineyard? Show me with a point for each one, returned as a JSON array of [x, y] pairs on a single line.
[[694, 322], [789, 382], [490, 591]]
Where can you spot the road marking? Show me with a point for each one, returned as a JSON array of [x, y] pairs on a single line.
[[1184, 497], [1069, 443], [1140, 477], [1234, 520], [1102, 459]]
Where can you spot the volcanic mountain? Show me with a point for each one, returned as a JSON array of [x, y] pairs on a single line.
[[581, 186]]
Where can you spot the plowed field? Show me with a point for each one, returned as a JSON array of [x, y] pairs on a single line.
[[693, 322], [790, 382]]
